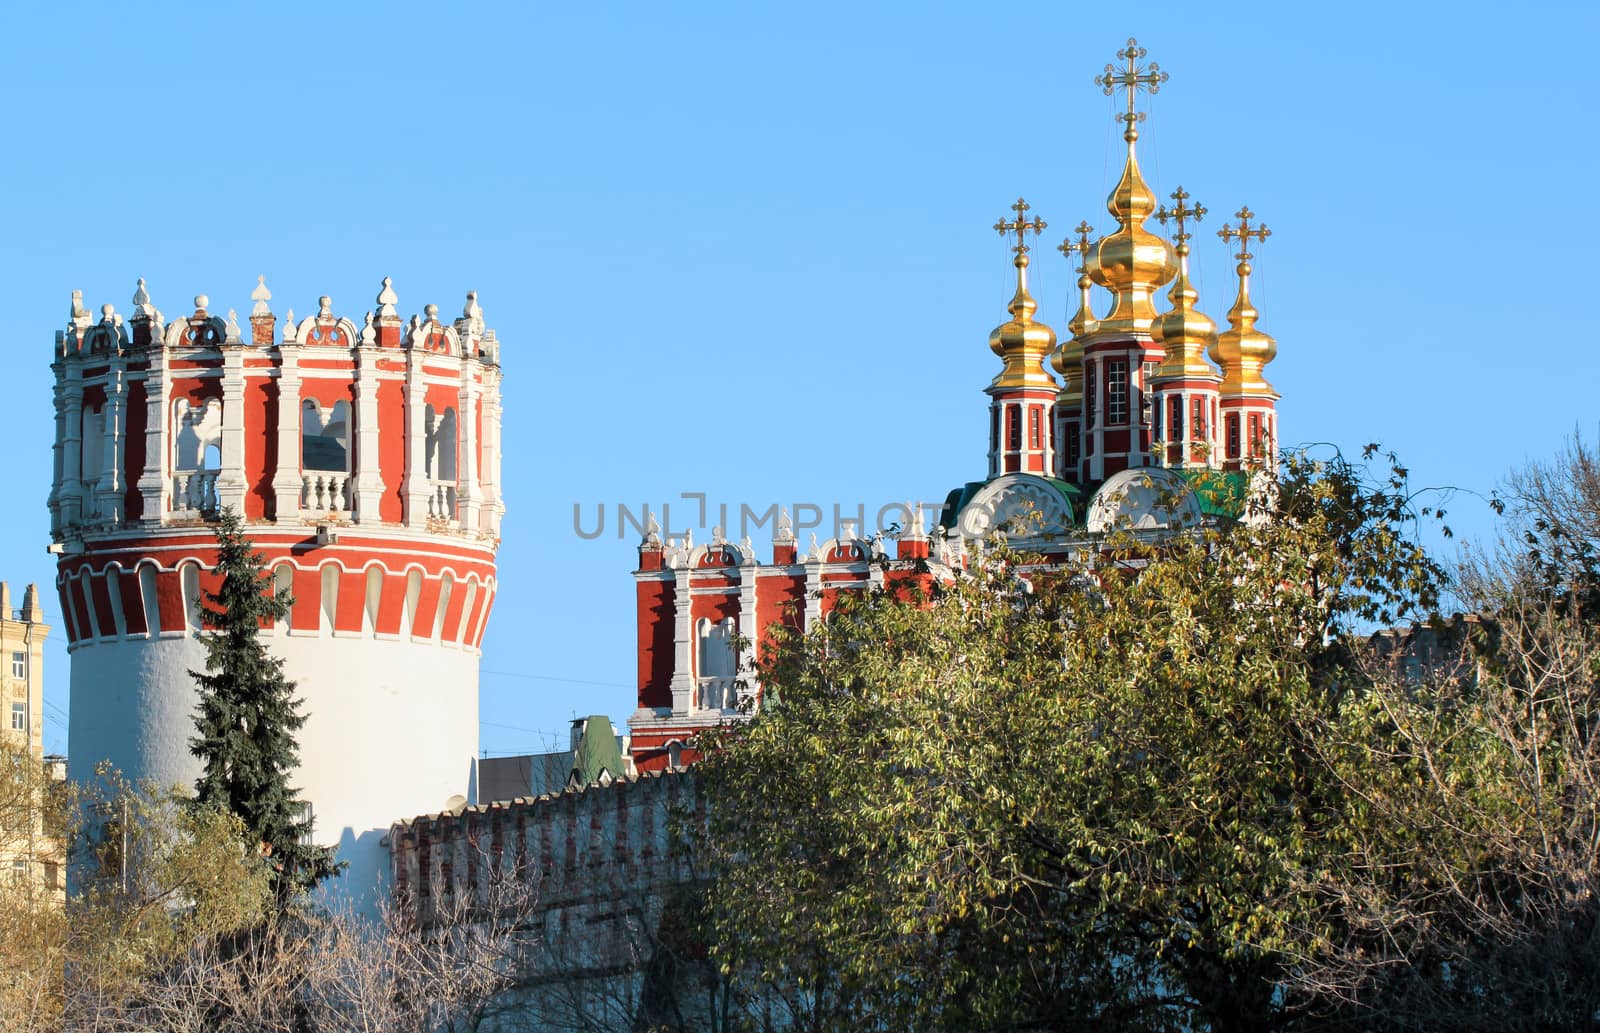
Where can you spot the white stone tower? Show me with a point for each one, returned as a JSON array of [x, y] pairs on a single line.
[[366, 464]]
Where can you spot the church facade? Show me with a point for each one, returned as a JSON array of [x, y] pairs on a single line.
[[1142, 420]]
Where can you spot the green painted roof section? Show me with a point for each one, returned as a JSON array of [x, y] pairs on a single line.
[[1221, 493], [1076, 496], [597, 752]]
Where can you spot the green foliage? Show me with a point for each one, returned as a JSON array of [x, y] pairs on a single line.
[[247, 716], [1105, 803]]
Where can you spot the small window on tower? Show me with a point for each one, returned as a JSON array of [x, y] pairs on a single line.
[[1116, 392], [1013, 430], [19, 664], [1033, 428], [1255, 434], [1091, 395], [1233, 435], [1149, 373], [1074, 449], [994, 430], [19, 717], [1197, 421]]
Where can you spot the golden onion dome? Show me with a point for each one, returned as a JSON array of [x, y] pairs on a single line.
[[1131, 262], [1241, 350], [1022, 341], [1068, 359], [1185, 333]]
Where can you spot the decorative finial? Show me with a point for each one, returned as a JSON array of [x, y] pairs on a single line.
[[652, 529], [386, 301], [1081, 246], [1242, 351], [235, 332], [816, 550], [201, 302], [1244, 233], [141, 298], [108, 313], [324, 307], [785, 529], [1020, 227], [261, 296], [1131, 78], [289, 329], [1022, 342], [1178, 213], [431, 311], [716, 536], [369, 334], [472, 309]]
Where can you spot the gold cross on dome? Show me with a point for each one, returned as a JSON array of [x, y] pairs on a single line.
[[1020, 226], [1244, 233], [1067, 247], [1179, 213], [1131, 78]]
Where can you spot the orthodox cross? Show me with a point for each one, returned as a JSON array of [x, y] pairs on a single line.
[[1020, 226], [1131, 78], [1179, 213], [1067, 247], [1244, 233]]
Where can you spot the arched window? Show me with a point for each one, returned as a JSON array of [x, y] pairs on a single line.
[[441, 451], [324, 437]]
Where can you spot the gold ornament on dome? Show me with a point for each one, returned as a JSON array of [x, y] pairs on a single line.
[[1022, 342], [1068, 359], [1241, 350], [1185, 333], [1131, 262]]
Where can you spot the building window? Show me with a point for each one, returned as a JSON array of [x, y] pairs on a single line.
[[1149, 373], [1233, 435], [1033, 428], [994, 429], [1197, 421], [19, 871], [19, 717], [1156, 422], [1091, 395], [1073, 449], [1175, 408], [1255, 434], [19, 664], [1013, 429], [1116, 392]]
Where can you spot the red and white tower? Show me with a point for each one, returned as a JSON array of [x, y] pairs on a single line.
[[365, 462], [1249, 403], [1184, 387], [1023, 392]]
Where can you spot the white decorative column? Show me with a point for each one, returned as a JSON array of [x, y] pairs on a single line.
[[748, 629], [683, 680], [368, 477], [414, 486], [72, 446], [112, 478], [813, 562], [230, 479], [286, 478], [471, 495]]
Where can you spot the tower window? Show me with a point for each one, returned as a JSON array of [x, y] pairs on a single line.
[[1013, 430], [1033, 428], [1074, 448], [994, 429], [1116, 392], [19, 664], [1091, 394], [1197, 421], [1233, 435], [19, 717], [1255, 434], [1155, 420], [1149, 373]]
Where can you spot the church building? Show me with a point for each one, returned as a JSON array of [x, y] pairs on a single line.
[[1138, 420]]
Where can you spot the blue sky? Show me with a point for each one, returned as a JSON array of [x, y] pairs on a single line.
[[744, 250]]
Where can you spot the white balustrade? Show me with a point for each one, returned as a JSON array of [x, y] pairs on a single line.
[[323, 491], [442, 500], [195, 491], [719, 693]]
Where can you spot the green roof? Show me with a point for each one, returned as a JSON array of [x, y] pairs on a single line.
[[1221, 493], [597, 752]]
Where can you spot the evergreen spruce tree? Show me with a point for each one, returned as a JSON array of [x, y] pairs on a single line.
[[248, 716]]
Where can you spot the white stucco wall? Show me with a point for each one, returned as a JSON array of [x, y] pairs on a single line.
[[391, 729]]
